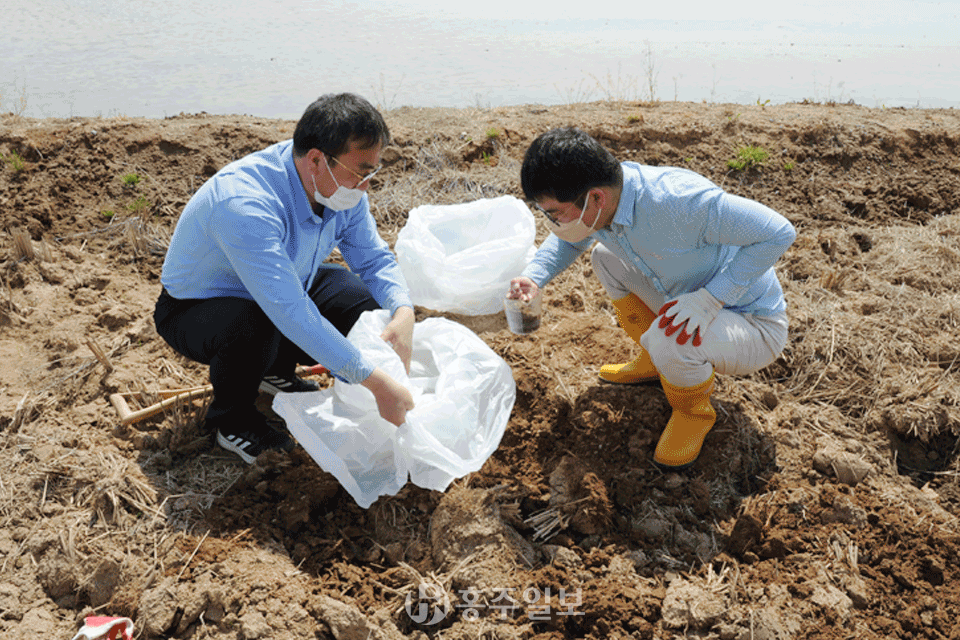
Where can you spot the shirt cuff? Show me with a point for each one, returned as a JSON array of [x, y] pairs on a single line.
[[537, 273], [394, 302], [355, 371]]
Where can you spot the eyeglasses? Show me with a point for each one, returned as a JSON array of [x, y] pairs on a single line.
[[361, 178], [551, 217], [546, 214]]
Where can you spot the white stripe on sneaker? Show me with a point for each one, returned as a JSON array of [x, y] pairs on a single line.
[[236, 444]]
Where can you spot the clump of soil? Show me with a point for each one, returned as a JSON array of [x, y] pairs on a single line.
[[824, 504]]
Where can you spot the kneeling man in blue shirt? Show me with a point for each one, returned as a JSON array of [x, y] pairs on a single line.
[[245, 286], [671, 240]]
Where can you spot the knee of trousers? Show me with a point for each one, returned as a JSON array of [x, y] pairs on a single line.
[[610, 271], [682, 365], [252, 336]]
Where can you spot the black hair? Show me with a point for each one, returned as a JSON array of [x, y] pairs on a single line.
[[565, 163], [332, 121]]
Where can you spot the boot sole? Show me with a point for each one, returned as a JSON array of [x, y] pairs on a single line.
[[670, 467], [642, 381]]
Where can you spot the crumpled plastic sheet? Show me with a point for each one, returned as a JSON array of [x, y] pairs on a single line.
[[460, 258], [463, 391]]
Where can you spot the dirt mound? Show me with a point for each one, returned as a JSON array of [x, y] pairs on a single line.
[[824, 504]]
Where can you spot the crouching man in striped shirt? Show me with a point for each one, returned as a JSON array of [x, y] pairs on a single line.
[[688, 267]]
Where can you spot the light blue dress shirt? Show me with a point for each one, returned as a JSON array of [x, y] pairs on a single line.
[[250, 232], [684, 232]]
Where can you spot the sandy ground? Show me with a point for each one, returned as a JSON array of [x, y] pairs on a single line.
[[824, 505]]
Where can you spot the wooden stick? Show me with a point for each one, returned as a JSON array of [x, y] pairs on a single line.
[[100, 355], [171, 397], [129, 417]]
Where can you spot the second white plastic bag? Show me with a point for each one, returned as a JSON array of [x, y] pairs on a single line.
[[464, 394], [461, 257]]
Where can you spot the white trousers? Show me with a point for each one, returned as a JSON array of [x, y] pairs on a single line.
[[734, 343]]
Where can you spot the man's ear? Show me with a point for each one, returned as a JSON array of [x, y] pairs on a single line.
[[315, 155], [592, 195]]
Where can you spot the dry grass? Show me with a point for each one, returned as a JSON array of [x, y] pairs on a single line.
[[873, 346], [23, 245], [137, 235], [434, 176], [191, 488], [120, 493], [874, 336]]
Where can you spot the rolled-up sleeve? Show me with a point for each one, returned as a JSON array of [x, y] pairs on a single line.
[[761, 234]]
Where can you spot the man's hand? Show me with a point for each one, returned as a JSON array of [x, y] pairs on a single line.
[[691, 313], [523, 289], [399, 334], [393, 400]]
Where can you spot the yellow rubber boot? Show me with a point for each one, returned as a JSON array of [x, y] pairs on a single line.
[[692, 418], [635, 318]]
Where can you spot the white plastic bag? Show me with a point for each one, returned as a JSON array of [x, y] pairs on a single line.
[[460, 258], [463, 391]]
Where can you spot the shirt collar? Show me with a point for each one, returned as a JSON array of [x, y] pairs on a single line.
[[628, 194], [303, 208]]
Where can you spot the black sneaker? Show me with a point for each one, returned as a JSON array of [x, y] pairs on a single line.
[[253, 438], [291, 384]]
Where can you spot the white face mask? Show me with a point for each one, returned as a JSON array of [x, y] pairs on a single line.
[[341, 199], [575, 230]]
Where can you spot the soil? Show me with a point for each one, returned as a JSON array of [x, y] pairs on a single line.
[[824, 505]]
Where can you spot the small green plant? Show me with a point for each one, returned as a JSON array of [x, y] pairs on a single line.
[[14, 161], [634, 119], [749, 157], [762, 104], [486, 158], [107, 214], [493, 133], [139, 206], [789, 165], [131, 179]]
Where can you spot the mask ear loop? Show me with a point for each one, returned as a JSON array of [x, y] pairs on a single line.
[[329, 170], [583, 212]]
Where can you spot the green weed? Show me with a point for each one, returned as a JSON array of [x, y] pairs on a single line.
[[789, 165], [14, 161], [493, 133], [749, 157], [131, 179], [139, 206], [107, 214]]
